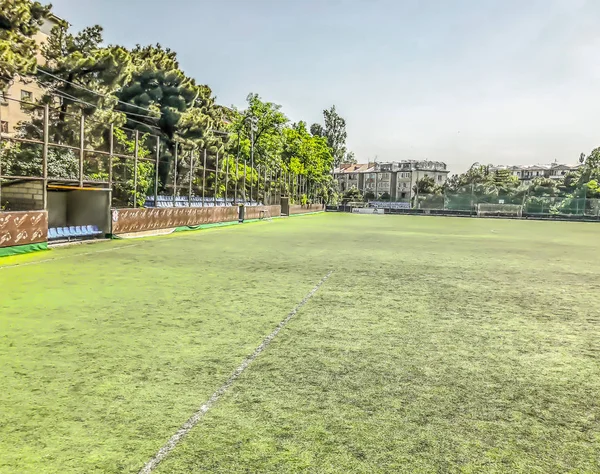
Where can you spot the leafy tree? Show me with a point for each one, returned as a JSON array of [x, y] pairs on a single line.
[[350, 158], [80, 74], [20, 20], [335, 132], [426, 185], [317, 130], [169, 103]]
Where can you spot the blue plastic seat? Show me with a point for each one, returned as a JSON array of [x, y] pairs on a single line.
[[73, 232], [52, 233], [96, 230]]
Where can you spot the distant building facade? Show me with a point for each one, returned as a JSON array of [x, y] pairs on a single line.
[[395, 179], [27, 90], [527, 173]]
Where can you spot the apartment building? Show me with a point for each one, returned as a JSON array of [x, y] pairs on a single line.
[[527, 173], [395, 179], [24, 89]]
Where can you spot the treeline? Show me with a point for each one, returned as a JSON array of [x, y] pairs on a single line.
[[576, 191], [145, 89]]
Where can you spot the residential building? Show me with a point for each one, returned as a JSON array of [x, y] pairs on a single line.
[[24, 89], [395, 179], [527, 173]]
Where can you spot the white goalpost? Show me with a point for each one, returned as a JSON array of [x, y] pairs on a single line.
[[499, 210]]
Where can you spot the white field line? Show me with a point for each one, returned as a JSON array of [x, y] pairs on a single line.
[[2, 267], [182, 432]]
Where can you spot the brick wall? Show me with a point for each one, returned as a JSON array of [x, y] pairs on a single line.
[[23, 196]]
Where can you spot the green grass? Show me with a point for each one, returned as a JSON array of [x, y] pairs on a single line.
[[437, 345]]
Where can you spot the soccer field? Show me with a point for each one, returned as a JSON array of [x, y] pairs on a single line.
[[436, 345]]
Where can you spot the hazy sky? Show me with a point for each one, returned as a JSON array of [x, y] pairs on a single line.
[[505, 81]]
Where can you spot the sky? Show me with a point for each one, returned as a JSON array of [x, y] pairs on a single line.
[[461, 81]]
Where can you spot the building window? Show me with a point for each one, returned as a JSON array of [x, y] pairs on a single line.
[[439, 177], [26, 96], [4, 127]]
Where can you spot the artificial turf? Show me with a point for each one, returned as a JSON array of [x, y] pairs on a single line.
[[437, 345]]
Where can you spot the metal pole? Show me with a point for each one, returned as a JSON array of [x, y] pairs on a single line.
[[204, 178], [45, 159], [258, 184], [226, 179], [81, 149], [191, 178], [245, 183], [251, 159], [135, 167], [1, 96], [472, 197], [110, 156], [265, 188], [156, 172], [175, 177], [216, 180], [237, 169]]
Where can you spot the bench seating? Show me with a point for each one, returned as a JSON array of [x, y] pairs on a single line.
[[73, 232]]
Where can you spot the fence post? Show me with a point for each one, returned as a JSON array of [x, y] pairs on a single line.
[[175, 176], [110, 155], [191, 178], [584, 199], [135, 167], [245, 183], [265, 188], [81, 148], [226, 179], [237, 177], [216, 180], [45, 159], [257, 183], [204, 178], [156, 171], [1, 97]]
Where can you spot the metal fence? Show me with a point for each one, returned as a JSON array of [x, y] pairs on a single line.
[[56, 148], [575, 205]]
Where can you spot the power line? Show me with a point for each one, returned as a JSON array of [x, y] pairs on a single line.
[[64, 95], [91, 91]]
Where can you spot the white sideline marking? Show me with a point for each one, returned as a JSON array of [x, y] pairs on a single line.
[[196, 417], [66, 256]]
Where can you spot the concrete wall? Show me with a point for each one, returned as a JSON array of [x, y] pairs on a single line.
[[57, 209], [255, 212], [299, 209], [23, 196], [89, 208]]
